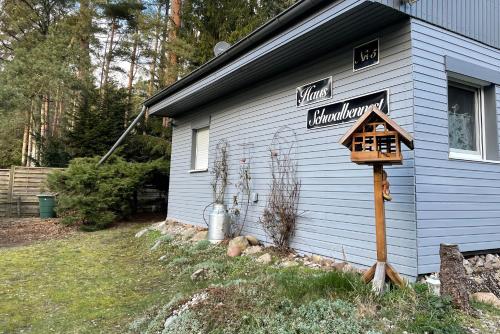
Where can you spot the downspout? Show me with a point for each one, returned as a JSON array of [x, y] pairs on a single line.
[[122, 137]]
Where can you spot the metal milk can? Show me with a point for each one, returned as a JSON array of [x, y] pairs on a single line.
[[218, 223]]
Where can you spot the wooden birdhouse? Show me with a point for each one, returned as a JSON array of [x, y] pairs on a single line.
[[375, 138]]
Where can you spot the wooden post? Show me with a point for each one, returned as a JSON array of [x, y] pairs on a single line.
[[10, 191], [378, 171], [18, 200], [382, 269]]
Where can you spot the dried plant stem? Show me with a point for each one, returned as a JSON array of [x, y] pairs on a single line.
[[281, 213], [220, 172]]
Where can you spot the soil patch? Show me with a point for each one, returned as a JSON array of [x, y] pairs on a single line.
[[23, 231]]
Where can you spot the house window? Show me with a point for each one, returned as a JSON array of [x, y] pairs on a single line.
[[199, 161], [472, 130], [464, 119]]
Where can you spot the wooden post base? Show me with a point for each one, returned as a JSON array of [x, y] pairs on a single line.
[[378, 273]]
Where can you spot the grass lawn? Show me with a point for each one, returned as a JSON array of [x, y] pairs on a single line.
[[88, 283], [111, 282]]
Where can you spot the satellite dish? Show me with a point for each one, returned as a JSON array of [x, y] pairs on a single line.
[[221, 47]]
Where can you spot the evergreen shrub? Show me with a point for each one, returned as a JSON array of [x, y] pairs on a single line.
[[95, 197]]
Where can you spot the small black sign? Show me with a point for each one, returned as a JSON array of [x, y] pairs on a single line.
[[346, 111], [366, 55], [314, 92]]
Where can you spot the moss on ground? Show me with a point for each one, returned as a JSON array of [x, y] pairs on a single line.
[[111, 282]]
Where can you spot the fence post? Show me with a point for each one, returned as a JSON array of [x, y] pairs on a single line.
[[10, 191]]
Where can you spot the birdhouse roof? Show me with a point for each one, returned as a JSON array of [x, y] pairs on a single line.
[[375, 112]]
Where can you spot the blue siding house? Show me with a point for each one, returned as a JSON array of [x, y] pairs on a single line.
[[435, 64]]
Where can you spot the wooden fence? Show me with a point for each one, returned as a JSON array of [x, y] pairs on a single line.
[[19, 187]]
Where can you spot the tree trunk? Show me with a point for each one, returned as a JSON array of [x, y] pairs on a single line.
[[85, 18], [26, 135], [56, 118], [101, 80], [162, 70], [131, 74], [152, 68], [175, 10], [29, 158], [109, 53], [452, 276], [44, 118]]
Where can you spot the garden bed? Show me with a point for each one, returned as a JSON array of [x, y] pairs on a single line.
[[22, 231]]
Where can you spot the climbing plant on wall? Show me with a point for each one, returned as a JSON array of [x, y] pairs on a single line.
[[281, 212]]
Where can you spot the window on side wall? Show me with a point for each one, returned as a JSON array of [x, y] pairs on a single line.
[[199, 155], [472, 130]]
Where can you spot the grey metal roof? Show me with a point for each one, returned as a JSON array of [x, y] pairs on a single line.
[[312, 35]]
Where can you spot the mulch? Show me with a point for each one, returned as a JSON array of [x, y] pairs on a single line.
[[23, 231]]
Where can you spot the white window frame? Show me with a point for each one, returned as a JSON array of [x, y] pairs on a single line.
[[195, 153], [479, 154]]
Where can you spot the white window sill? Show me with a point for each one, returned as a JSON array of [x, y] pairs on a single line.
[[198, 170], [470, 158]]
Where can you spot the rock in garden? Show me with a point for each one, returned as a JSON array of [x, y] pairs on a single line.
[[327, 263], [316, 259], [468, 267], [157, 226], [252, 240], [490, 258], [253, 250], [202, 235], [487, 298], [164, 229], [141, 232], [339, 266], [161, 227], [199, 274], [156, 245], [478, 280], [188, 234], [240, 242], [265, 258], [349, 269], [289, 264], [163, 257], [233, 251]]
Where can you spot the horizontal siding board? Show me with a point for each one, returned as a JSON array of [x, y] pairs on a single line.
[[456, 201], [336, 195], [475, 19]]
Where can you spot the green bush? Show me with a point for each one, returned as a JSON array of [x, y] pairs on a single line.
[[98, 196]]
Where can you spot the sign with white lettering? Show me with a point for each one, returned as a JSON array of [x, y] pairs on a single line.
[[314, 92], [346, 111], [366, 55]]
